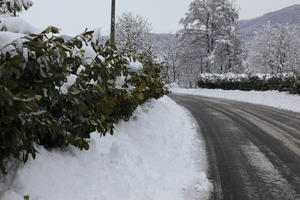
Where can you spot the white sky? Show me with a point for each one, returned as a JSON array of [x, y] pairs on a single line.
[[73, 16]]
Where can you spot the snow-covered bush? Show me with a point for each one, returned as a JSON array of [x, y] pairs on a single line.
[[11, 7], [54, 92], [260, 82]]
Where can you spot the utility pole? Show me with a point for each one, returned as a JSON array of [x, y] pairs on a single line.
[[113, 23]]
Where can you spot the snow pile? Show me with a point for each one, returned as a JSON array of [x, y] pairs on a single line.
[[275, 99], [16, 25], [135, 66], [151, 157], [13, 29]]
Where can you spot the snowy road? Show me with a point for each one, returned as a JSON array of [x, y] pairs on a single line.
[[254, 151]]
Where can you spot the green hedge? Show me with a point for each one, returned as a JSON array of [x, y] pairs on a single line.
[[34, 110], [280, 82]]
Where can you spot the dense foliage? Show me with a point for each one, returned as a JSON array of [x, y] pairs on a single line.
[[281, 82], [39, 106]]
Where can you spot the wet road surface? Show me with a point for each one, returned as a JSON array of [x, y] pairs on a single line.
[[253, 151]]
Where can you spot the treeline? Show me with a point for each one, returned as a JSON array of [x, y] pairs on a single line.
[[281, 82], [54, 93], [210, 42], [275, 49]]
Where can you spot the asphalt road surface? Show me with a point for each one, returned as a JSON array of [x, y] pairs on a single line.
[[253, 151]]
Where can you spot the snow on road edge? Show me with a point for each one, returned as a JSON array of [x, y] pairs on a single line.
[[151, 157], [281, 100]]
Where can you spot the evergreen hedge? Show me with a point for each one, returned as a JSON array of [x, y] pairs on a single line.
[[34, 110], [281, 82]]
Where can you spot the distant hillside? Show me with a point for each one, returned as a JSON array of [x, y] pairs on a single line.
[[289, 16], [161, 42]]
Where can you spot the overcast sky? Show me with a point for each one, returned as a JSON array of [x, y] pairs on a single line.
[[73, 16]]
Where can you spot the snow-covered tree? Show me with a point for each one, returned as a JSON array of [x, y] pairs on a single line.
[[190, 61], [275, 49], [294, 64], [132, 33], [12, 7], [210, 30]]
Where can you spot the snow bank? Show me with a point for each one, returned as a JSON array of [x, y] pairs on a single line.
[[151, 157], [275, 99]]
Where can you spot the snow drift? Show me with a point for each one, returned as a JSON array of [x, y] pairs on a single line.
[[154, 156]]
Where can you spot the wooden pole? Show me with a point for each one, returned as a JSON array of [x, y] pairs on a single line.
[[113, 23]]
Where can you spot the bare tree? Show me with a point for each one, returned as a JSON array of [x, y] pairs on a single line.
[[131, 31], [170, 58], [275, 49]]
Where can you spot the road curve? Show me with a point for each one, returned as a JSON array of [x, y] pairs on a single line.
[[253, 151]]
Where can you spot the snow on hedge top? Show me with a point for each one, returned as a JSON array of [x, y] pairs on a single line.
[[238, 77], [8, 37], [16, 25]]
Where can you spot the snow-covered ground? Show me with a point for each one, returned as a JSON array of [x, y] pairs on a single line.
[[275, 99], [157, 155]]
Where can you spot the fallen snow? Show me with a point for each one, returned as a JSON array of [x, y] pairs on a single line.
[[157, 155], [275, 99]]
